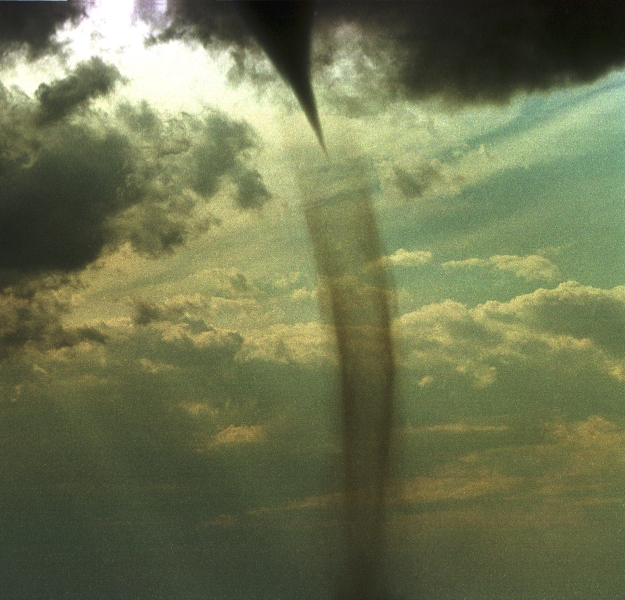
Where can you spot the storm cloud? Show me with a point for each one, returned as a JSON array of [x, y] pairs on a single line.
[[70, 190], [460, 51], [73, 190], [484, 50], [170, 446], [53, 213], [90, 80], [33, 25], [30, 315]]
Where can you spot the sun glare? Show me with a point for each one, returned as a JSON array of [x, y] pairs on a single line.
[[113, 19]]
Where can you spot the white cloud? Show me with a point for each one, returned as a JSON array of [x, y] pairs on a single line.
[[571, 310], [569, 330], [155, 367], [532, 267], [301, 343], [241, 434], [405, 258], [573, 461]]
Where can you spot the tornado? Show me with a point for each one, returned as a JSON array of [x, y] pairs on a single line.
[[356, 295]]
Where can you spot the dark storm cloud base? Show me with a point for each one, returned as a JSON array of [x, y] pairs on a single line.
[[477, 51]]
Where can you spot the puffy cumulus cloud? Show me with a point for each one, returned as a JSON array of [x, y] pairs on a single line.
[[181, 163], [176, 307], [155, 367], [232, 299], [579, 311], [220, 150], [90, 79], [24, 24], [405, 258], [532, 267], [161, 225], [445, 324], [240, 300], [570, 312], [231, 283], [179, 327], [551, 350], [251, 190], [271, 384], [176, 336], [300, 343]]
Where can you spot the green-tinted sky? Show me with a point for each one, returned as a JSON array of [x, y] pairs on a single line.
[[169, 407]]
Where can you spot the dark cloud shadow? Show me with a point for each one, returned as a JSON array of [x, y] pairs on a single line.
[[33, 25], [90, 79]]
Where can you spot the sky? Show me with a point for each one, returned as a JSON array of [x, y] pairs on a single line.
[[169, 381]]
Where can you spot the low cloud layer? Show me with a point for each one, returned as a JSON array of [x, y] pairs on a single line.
[[227, 428], [231, 428]]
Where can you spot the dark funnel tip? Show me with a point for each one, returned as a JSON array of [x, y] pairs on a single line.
[[283, 31]]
